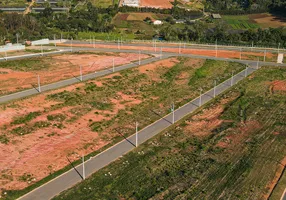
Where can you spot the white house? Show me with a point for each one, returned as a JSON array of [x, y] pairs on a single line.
[[157, 22]]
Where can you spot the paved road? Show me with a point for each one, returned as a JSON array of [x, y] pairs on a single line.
[[71, 81], [31, 55], [71, 177]]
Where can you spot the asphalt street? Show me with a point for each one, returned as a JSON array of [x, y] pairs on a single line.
[[72, 177]]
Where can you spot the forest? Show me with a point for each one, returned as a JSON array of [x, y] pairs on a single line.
[[96, 19]]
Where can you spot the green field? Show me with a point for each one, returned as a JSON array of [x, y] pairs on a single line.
[[13, 3], [239, 22], [235, 159], [105, 36], [103, 3]]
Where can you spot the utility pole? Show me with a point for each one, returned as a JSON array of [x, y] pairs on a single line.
[[264, 55], [231, 83], [200, 103], [257, 67], [39, 84], [173, 112], [216, 48], [252, 46], [139, 62], [214, 88], [17, 35], [80, 73], [113, 65], [83, 168], [246, 71], [55, 40], [136, 135]]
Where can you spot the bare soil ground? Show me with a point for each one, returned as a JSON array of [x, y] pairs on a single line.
[[35, 155], [267, 20], [203, 52], [156, 3], [60, 67]]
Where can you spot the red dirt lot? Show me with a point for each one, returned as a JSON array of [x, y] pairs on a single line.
[[203, 52], [44, 150], [156, 3], [62, 67]]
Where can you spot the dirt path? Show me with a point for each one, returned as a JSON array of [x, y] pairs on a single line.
[[28, 9]]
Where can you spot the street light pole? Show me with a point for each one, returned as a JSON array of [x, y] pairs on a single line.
[[173, 113], [80, 72], [200, 104], [83, 168], [257, 67], [39, 83], [113, 65], [214, 88], [136, 135], [265, 55], [139, 62], [231, 78]]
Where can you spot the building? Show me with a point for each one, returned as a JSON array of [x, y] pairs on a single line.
[[157, 22], [216, 16], [131, 3]]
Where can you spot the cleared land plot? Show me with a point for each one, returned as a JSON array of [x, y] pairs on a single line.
[[39, 133], [22, 74], [246, 55], [267, 20], [156, 3], [230, 149], [240, 22]]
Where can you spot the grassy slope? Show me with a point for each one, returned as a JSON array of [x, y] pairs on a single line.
[[184, 166], [152, 93]]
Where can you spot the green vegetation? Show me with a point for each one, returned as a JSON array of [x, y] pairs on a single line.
[[26, 118], [237, 162], [240, 22], [104, 3], [13, 3]]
